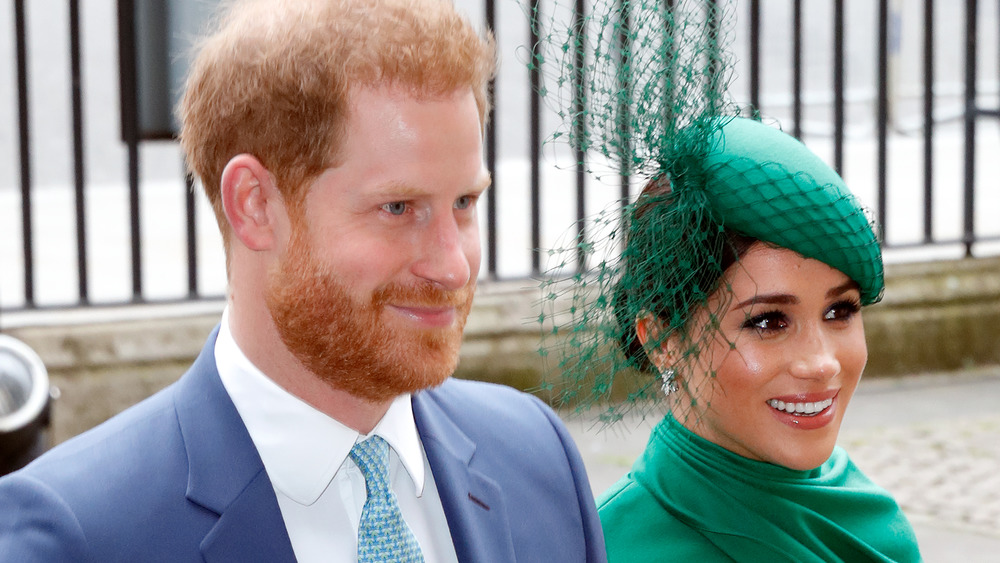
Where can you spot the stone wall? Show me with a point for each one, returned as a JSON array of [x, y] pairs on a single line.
[[939, 316]]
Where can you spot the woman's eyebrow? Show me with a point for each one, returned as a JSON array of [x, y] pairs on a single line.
[[769, 299], [788, 299], [843, 288]]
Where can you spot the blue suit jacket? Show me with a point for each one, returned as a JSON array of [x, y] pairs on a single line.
[[177, 478]]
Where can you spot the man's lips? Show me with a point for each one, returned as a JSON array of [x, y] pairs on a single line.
[[429, 316]]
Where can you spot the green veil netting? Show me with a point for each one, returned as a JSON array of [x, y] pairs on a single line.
[[642, 85]]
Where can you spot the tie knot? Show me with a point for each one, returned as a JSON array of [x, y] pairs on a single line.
[[372, 457]]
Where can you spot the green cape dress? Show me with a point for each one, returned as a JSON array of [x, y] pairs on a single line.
[[687, 499]]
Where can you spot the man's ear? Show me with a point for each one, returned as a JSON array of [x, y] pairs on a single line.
[[251, 202], [657, 345]]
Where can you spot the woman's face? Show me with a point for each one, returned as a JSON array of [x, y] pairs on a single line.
[[786, 359]]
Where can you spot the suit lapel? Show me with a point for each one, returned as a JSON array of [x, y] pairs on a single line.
[[250, 529], [226, 475], [473, 503]]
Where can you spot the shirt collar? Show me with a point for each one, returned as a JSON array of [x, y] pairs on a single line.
[[301, 464]]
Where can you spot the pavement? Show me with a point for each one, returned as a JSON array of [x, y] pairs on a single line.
[[933, 441]]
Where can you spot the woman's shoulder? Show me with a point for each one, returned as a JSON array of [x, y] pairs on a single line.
[[638, 526]]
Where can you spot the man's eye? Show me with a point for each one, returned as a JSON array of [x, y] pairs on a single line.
[[464, 202], [395, 208]]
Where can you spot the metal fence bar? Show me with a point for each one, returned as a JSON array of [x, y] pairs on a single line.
[[491, 158], [669, 38], [130, 133], [135, 225], [928, 109], [715, 64], [24, 150], [625, 85], [838, 86], [882, 112], [797, 68], [192, 235], [754, 56], [579, 103], [79, 176], [971, 28], [535, 147]]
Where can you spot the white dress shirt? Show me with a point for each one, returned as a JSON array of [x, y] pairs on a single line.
[[320, 491]]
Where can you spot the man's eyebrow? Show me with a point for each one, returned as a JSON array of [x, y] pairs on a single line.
[[397, 189], [404, 190]]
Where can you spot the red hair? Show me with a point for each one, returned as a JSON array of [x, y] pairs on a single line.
[[275, 80]]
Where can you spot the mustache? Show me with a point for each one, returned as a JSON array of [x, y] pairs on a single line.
[[424, 295]]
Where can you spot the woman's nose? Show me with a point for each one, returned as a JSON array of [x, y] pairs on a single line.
[[816, 358]]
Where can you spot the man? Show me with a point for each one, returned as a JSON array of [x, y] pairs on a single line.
[[340, 145]]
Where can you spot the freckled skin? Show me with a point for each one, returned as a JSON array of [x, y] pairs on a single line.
[[797, 329]]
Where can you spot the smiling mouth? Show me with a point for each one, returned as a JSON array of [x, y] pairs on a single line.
[[425, 315], [801, 409]]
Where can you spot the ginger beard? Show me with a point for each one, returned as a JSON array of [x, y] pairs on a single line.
[[353, 344]]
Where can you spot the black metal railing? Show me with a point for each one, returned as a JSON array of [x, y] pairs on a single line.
[[24, 150], [973, 113]]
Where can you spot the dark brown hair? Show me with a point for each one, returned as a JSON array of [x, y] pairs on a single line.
[[727, 247]]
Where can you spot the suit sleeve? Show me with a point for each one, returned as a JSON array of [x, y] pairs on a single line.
[[36, 525], [594, 535]]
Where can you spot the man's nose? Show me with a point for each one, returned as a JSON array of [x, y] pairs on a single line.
[[443, 254]]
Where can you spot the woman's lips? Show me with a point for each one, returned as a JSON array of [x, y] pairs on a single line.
[[802, 408], [807, 411]]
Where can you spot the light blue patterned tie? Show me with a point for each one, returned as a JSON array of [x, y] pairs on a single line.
[[383, 534]]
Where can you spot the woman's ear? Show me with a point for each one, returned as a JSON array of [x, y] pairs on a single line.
[[251, 202], [655, 342]]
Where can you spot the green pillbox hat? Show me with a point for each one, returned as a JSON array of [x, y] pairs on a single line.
[[766, 184]]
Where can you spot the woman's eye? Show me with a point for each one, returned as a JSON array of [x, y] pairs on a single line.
[[767, 322], [463, 202], [395, 208], [842, 311]]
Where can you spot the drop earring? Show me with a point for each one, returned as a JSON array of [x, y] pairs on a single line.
[[669, 377]]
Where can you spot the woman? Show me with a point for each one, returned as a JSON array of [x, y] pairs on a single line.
[[759, 374], [734, 301]]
